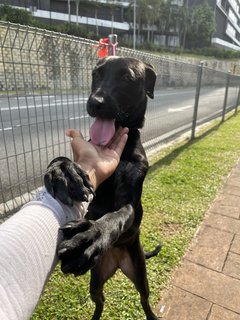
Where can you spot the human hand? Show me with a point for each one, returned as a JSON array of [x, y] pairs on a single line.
[[98, 161]]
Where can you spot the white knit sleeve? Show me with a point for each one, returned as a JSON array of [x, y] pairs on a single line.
[[28, 243]]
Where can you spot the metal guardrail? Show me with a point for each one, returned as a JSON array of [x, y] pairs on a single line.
[[45, 81]]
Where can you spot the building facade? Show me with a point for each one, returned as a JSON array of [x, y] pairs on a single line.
[[102, 16], [227, 19], [227, 15], [110, 16]]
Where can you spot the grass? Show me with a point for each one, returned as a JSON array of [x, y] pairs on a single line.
[[181, 184]]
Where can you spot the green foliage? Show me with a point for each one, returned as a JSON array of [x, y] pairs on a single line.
[[20, 16], [75, 30], [149, 10], [195, 26], [167, 19], [24, 17], [217, 53], [181, 184], [212, 52], [201, 25]]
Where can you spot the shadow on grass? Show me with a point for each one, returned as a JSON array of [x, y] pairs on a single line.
[[167, 160]]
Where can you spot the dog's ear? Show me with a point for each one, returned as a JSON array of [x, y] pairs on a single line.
[[150, 80]]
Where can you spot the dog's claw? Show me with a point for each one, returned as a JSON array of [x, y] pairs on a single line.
[[61, 251], [66, 226], [67, 182], [82, 245]]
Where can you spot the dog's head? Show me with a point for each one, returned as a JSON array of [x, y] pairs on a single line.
[[120, 87]]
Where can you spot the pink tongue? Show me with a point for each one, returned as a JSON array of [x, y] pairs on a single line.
[[102, 131]]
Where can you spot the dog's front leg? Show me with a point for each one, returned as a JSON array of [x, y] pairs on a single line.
[[80, 253]]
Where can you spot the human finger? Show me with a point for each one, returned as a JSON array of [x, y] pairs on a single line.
[[120, 146], [117, 137], [73, 133], [119, 141]]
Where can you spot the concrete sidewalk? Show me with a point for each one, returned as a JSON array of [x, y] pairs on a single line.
[[206, 286]]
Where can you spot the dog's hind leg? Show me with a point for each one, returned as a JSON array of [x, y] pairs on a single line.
[[100, 273], [98, 298], [136, 272]]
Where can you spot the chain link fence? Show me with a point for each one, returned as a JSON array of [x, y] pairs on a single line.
[[45, 80]]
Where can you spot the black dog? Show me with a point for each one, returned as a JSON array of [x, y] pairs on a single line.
[[108, 237]]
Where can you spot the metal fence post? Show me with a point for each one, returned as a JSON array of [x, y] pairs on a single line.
[[112, 44], [198, 88], [225, 97], [238, 101]]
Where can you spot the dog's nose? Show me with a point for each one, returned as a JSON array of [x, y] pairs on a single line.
[[99, 100], [95, 105]]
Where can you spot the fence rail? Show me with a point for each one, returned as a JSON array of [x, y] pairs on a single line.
[[45, 81]]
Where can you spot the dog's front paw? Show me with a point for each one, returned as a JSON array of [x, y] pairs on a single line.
[[82, 247], [66, 181]]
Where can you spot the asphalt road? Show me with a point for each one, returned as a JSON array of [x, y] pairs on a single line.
[[32, 128]]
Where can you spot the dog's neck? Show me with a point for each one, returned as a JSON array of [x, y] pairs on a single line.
[[135, 120]]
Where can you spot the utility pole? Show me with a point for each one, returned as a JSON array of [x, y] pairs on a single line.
[[77, 9], [134, 25], [69, 11]]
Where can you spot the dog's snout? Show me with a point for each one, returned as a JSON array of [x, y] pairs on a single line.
[[95, 105], [99, 100], [101, 105]]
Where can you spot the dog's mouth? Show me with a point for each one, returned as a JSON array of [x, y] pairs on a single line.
[[102, 131]]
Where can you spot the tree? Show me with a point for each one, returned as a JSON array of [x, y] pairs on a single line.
[[201, 25], [147, 12], [150, 15], [183, 24], [167, 19]]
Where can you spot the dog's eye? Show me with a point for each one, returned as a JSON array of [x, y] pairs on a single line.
[[126, 77]]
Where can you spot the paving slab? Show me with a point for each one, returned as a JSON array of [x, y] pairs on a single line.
[[235, 170], [223, 223], [210, 248], [235, 247], [211, 285], [232, 265], [229, 200], [179, 302], [206, 285], [234, 181], [230, 211], [219, 313], [230, 189]]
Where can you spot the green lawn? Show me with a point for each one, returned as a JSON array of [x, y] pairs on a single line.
[[181, 184]]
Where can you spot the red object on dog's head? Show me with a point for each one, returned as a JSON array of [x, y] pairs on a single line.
[[103, 48]]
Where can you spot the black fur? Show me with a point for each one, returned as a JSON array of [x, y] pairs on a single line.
[[108, 237]]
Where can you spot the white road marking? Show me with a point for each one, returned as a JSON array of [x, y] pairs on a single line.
[[172, 93], [34, 97], [179, 109], [6, 129], [81, 117], [19, 125], [57, 103]]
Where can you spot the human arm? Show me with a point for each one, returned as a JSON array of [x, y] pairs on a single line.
[[28, 244], [29, 239]]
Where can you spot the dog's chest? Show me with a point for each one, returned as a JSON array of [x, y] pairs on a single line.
[[104, 201], [116, 258]]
